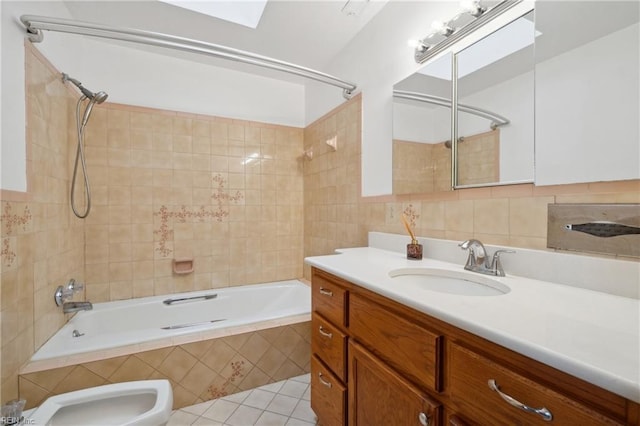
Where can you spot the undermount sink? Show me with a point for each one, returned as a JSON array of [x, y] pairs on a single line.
[[452, 282]]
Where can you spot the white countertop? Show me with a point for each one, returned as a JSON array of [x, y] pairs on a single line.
[[589, 334]]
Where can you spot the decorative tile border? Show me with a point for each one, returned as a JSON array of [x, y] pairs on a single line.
[[220, 195]]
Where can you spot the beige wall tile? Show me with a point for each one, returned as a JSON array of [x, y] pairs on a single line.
[[491, 216]]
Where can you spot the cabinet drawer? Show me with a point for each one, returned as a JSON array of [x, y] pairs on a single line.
[[329, 299], [329, 344], [473, 397], [404, 345], [328, 395]]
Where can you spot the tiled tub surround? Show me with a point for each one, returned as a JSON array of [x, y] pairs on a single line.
[[225, 193], [42, 243], [198, 371]]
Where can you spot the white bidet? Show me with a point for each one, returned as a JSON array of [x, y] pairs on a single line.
[[144, 402]]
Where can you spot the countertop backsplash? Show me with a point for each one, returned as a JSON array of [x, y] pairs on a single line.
[[612, 276]]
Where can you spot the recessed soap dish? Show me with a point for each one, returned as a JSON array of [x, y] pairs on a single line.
[[182, 266]]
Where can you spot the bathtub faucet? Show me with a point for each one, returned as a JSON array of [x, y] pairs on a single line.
[[69, 307]]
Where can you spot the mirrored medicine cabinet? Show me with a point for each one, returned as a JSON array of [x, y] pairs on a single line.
[[558, 73]]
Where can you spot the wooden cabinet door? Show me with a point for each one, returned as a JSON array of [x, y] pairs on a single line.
[[378, 396]]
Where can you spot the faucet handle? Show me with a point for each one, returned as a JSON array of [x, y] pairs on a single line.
[[496, 265], [74, 287]]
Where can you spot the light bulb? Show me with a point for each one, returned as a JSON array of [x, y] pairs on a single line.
[[417, 44], [472, 7], [442, 28]]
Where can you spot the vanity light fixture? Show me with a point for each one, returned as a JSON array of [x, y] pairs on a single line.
[[446, 33]]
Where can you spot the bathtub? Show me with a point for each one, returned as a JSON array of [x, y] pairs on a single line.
[[111, 325], [208, 343]]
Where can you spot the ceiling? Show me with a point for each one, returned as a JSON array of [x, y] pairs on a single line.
[[308, 33]]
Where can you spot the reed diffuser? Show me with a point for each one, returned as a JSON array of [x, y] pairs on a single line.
[[414, 248]]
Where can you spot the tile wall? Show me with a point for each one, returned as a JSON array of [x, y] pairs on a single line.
[[478, 159], [420, 167], [41, 241], [337, 216], [226, 193]]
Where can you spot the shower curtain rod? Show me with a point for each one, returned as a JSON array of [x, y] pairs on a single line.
[[497, 120], [35, 24]]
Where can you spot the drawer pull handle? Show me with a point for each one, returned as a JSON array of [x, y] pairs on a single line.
[[326, 292], [324, 333], [424, 419], [542, 412], [323, 381]]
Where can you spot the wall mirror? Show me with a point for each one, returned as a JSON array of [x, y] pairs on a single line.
[[422, 129], [587, 91], [494, 101]]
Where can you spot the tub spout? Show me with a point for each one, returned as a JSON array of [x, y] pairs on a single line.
[[69, 307]]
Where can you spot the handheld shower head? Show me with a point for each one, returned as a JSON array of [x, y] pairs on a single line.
[[99, 97]]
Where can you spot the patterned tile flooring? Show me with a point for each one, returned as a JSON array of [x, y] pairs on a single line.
[[284, 403]]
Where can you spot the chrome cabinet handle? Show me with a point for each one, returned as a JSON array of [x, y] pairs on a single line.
[[324, 333], [323, 381], [542, 412], [424, 419], [326, 292]]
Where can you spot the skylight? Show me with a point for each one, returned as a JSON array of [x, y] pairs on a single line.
[[243, 12]]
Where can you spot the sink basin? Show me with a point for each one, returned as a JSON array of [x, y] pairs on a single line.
[[452, 282]]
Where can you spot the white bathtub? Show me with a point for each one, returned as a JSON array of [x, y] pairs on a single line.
[[123, 323]]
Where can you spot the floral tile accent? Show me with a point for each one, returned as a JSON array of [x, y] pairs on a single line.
[[185, 214], [11, 221]]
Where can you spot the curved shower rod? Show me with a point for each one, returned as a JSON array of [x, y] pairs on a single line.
[[496, 120], [35, 24]]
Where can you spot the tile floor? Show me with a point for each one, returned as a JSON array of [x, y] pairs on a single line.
[[284, 403]]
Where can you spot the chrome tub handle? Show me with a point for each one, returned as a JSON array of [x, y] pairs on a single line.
[[187, 299], [542, 412]]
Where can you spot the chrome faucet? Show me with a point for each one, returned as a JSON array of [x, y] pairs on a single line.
[[64, 293], [70, 307], [478, 261]]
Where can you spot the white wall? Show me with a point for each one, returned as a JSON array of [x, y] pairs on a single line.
[[512, 99], [415, 123], [376, 59], [588, 135], [131, 76]]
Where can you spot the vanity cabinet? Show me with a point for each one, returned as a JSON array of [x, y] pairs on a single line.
[[387, 364]]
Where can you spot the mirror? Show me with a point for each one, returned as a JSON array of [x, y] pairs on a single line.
[[495, 107], [421, 129], [587, 91]]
